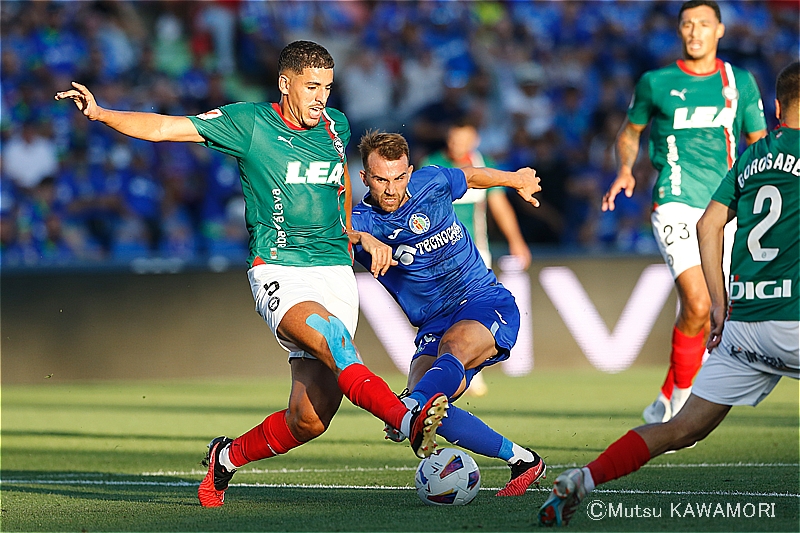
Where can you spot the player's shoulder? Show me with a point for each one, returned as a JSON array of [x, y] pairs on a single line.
[[742, 75], [239, 107], [427, 174]]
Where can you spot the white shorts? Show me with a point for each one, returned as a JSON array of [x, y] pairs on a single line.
[[277, 288], [749, 362], [675, 230]]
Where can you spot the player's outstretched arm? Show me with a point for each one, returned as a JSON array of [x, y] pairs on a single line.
[[524, 181], [146, 126], [627, 152], [381, 253], [710, 230]]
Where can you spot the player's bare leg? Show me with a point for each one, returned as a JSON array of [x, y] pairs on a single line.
[[636, 448], [688, 345], [312, 328], [314, 399]]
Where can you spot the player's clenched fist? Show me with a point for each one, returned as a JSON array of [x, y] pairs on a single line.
[[83, 98]]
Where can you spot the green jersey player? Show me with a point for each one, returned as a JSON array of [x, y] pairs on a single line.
[[697, 107], [293, 171], [760, 342]]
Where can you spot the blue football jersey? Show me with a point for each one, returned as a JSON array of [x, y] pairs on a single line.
[[438, 264]]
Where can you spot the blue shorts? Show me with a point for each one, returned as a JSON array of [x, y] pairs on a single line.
[[493, 307]]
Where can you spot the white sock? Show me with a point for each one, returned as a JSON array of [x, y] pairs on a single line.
[[679, 397], [410, 402], [588, 480], [520, 453], [225, 458], [405, 425]]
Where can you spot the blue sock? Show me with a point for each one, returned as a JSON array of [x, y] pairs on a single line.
[[468, 431], [444, 376], [506, 450]]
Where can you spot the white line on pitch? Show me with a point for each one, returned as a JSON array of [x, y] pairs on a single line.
[[378, 487], [195, 472]]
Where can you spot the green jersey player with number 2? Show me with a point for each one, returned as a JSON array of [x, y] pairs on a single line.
[[698, 108], [760, 341], [293, 170]]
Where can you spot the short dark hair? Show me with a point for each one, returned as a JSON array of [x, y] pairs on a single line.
[[301, 55], [787, 88], [463, 122], [390, 146], [697, 3]]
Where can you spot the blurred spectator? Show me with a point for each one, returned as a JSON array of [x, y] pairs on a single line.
[[544, 82], [527, 101], [367, 92], [218, 17], [429, 126], [573, 120], [422, 82], [547, 223], [29, 156]]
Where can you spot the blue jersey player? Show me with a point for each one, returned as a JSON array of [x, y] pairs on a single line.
[[467, 320]]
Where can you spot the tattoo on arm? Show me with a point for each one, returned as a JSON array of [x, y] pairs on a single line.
[[627, 147]]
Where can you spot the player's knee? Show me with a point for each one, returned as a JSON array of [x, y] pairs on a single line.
[[305, 426], [696, 310]]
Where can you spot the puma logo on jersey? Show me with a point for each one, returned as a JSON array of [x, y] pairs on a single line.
[[287, 141], [394, 234], [703, 117], [316, 172], [680, 94]]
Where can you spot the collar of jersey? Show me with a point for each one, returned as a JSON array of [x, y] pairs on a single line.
[[718, 64], [277, 107]]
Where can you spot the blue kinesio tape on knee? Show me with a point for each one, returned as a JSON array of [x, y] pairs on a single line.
[[338, 339]]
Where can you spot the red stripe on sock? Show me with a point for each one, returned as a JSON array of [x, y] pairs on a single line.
[[271, 437], [624, 456], [686, 357], [368, 391]]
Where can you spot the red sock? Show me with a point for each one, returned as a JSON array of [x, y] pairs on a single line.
[[686, 357], [370, 392], [669, 383], [626, 455], [271, 437]]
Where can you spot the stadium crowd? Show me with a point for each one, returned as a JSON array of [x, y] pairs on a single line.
[[547, 84]]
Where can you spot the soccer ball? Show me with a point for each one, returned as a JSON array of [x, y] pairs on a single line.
[[448, 477]]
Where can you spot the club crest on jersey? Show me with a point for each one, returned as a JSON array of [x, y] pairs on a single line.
[[339, 146], [730, 93], [419, 223], [208, 115]]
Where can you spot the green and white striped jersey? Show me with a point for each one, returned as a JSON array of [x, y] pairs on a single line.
[[696, 124], [292, 180], [763, 187]]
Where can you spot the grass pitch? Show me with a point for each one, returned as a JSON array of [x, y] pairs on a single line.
[[125, 457]]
